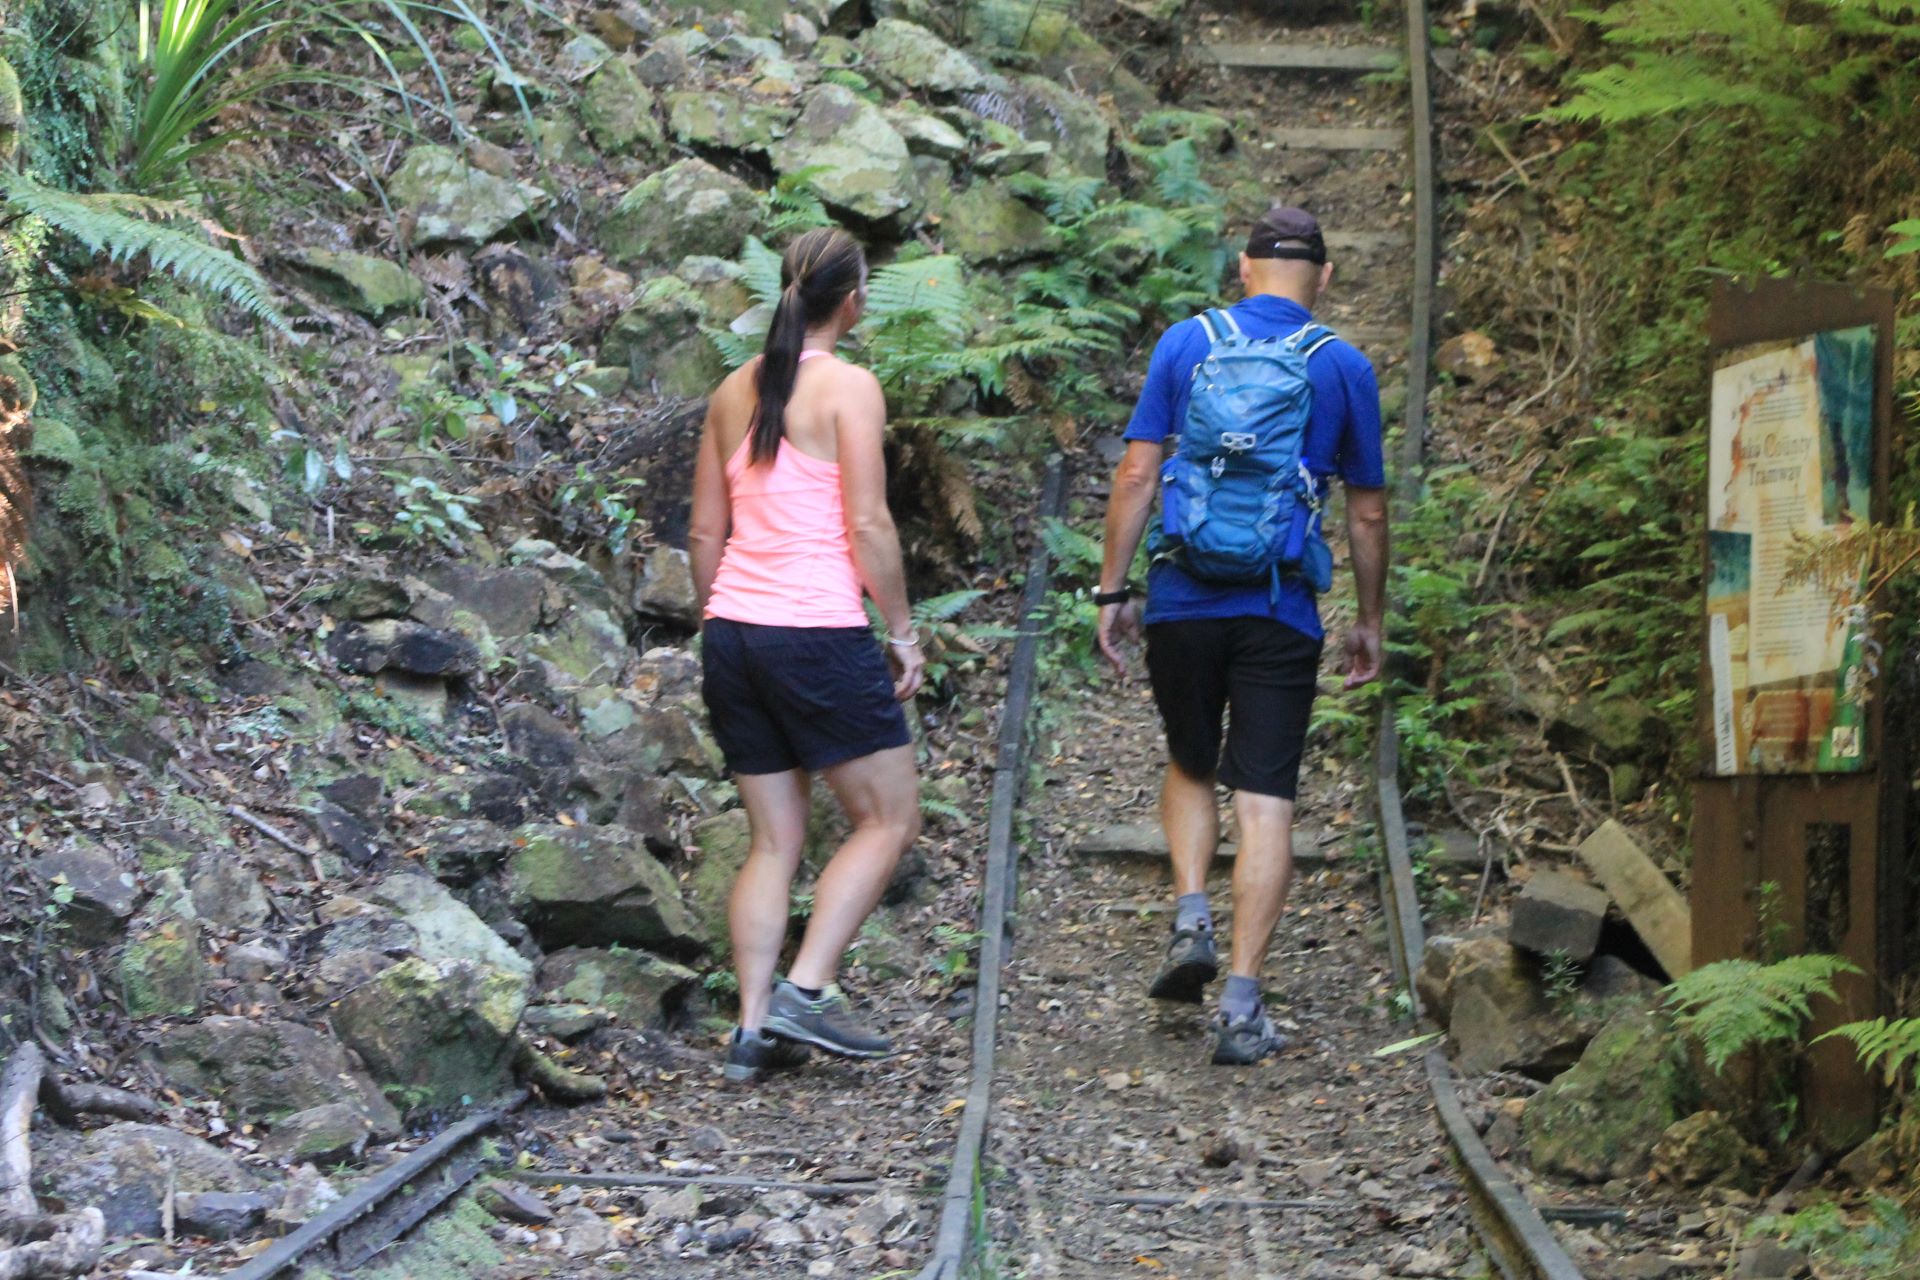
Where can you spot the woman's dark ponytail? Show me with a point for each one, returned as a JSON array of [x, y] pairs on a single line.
[[819, 270]]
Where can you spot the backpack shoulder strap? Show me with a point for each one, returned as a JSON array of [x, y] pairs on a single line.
[[1220, 325], [1310, 337]]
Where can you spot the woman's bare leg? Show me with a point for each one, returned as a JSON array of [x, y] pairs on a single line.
[[881, 794], [777, 806]]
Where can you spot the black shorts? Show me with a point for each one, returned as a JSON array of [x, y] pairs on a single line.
[[808, 698], [1261, 671]]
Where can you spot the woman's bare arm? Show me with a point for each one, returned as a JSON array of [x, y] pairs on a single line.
[[861, 432], [712, 517]]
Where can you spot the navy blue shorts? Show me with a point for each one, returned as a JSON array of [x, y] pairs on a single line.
[[784, 698]]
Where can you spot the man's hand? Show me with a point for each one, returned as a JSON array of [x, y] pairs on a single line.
[[1118, 622], [1363, 654]]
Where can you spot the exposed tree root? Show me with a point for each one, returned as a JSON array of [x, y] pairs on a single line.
[[554, 1080]]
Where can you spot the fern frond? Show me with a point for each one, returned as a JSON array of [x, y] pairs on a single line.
[[945, 608], [1893, 1044], [762, 266], [1734, 1005], [102, 225]]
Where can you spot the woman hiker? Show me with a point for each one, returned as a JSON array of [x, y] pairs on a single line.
[[789, 524]]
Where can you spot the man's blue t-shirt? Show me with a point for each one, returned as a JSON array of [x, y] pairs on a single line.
[[1343, 439]]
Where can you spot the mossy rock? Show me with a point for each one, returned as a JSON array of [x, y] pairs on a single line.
[[688, 208], [863, 162], [1601, 1119], [162, 972], [596, 886], [448, 199], [1207, 131], [641, 989], [912, 59], [618, 111], [987, 223], [726, 120], [361, 282], [442, 1034]]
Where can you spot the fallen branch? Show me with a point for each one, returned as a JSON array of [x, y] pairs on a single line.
[[19, 1087], [554, 1080], [68, 1102]]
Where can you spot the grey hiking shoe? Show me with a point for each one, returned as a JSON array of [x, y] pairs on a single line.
[[1191, 965], [752, 1054], [1240, 1042], [826, 1023]]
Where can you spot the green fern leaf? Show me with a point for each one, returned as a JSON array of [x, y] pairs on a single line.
[[104, 225], [1735, 1005]]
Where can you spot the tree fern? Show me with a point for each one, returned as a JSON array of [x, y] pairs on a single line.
[[1734, 1005], [1892, 1044], [107, 224]]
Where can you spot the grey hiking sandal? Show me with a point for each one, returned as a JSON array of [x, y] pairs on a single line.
[[1241, 1042], [752, 1054], [826, 1023], [1191, 965]]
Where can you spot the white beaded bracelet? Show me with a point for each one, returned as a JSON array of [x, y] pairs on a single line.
[[911, 642]]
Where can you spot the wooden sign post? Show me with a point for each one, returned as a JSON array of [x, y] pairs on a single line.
[[1797, 844]]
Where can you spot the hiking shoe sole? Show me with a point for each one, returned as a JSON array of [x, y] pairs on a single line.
[[1185, 982], [800, 1033]]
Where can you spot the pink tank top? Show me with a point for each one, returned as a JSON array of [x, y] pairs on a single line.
[[788, 561]]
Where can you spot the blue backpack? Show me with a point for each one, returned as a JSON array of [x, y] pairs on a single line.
[[1238, 504]]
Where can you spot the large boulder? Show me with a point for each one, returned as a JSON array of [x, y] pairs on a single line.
[[988, 223], [330, 1134], [442, 197], [445, 927], [863, 162], [687, 208], [665, 589], [641, 989], [510, 602], [911, 59], [726, 120], [1488, 996], [127, 1171], [441, 1032], [618, 111], [1074, 125], [1602, 1119], [595, 886], [265, 1068], [1705, 1149]]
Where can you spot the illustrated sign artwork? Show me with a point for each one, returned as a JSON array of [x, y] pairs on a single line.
[[1792, 458]]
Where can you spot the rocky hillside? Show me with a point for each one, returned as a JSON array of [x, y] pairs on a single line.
[[355, 766]]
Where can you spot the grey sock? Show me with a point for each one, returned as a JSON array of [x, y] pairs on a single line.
[[1190, 912], [1240, 998]]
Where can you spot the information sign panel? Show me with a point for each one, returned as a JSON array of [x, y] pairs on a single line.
[[1791, 460]]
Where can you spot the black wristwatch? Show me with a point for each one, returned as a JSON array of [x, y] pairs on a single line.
[[1121, 596]]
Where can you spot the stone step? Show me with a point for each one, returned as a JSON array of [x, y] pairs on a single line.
[[1368, 241], [1303, 57], [1316, 57], [1312, 139]]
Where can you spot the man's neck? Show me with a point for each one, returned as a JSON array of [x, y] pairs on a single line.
[[1302, 300]]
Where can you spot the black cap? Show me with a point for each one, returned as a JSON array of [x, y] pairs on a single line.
[[1287, 232]]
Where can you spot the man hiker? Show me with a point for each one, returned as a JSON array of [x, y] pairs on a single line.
[[1245, 416]]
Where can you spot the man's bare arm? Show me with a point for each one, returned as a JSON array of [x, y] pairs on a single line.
[[1129, 507], [1367, 540]]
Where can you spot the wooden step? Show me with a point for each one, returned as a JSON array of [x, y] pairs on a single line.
[[1307, 139], [1303, 57]]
